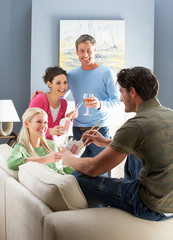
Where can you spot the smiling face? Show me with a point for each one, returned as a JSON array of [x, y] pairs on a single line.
[[37, 126], [86, 52], [127, 98], [59, 85]]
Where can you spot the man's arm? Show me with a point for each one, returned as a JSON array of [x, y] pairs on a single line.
[[112, 90], [35, 94], [103, 162]]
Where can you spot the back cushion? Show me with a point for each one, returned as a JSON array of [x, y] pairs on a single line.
[[59, 192], [5, 151]]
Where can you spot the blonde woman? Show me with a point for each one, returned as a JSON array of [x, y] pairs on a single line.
[[32, 145]]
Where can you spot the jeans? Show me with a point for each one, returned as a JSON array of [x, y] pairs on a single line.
[[132, 167], [120, 193]]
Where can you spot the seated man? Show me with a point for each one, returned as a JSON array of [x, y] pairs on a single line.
[[149, 135]]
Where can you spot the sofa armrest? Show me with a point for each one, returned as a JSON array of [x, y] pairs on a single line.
[[24, 213], [103, 223], [5, 151]]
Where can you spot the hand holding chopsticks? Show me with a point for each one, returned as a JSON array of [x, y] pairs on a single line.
[[74, 113], [93, 133], [91, 129]]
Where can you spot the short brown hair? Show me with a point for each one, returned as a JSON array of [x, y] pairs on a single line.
[[142, 79]]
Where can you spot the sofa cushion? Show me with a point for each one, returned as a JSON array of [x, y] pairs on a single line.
[[59, 192], [5, 151]]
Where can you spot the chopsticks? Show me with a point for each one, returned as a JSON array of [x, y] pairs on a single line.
[[91, 129], [91, 135], [77, 107], [81, 140]]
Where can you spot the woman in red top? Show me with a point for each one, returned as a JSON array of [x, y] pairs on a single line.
[[52, 102]]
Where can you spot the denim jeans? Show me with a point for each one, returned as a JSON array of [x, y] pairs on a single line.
[[132, 167], [91, 150], [120, 193]]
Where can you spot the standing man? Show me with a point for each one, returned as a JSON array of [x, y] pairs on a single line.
[[97, 79], [149, 135]]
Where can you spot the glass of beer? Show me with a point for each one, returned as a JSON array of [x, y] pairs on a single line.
[[86, 98]]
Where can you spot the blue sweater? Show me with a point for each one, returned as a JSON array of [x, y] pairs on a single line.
[[100, 82]]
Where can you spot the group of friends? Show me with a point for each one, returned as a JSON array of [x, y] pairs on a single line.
[[144, 142]]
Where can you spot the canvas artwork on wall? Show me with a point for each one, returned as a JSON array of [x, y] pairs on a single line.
[[109, 35]]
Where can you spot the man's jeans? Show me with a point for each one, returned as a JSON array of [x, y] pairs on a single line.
[[120, 193], [91, 150]]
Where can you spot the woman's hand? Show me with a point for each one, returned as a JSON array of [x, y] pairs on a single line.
[[57, 130], [53, 157], [50, 158], [73, 114]]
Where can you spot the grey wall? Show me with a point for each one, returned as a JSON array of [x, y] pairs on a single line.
[[163, 50], [15, 52], [139, 30], [15, 41]]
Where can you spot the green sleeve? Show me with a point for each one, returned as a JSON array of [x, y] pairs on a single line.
[[17, 157]]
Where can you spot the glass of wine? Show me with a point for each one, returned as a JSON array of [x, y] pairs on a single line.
[[86, 99]]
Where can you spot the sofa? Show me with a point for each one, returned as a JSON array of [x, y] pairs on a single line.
[[39, 204]]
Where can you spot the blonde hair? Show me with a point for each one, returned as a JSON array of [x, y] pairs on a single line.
[[24, 136]]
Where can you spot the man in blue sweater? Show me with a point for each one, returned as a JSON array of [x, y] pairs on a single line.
[[97, 79]]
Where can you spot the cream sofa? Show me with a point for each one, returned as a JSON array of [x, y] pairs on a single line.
[[39, 204]]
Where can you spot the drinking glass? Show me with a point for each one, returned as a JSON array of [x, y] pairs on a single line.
[[86, 99]]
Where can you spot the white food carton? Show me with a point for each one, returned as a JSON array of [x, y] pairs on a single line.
[[76, 147]]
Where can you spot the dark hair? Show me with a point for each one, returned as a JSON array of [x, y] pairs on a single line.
[[142, 79], [52, 72], [85, 38]]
